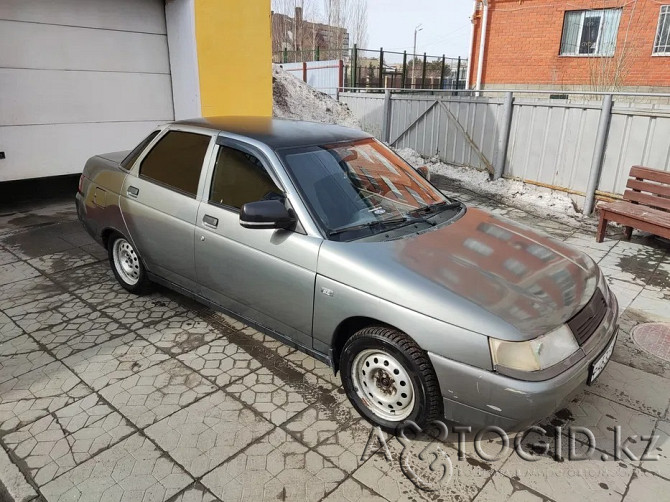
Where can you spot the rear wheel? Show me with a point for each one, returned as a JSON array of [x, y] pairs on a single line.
[[127, 265], [389, 379]]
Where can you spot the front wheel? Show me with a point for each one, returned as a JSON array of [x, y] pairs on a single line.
[[389, 379], [127, 265]]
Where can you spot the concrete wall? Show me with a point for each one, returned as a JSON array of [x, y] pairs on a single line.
[[180, 19], [82, 77], [79, 77], [234, 54]]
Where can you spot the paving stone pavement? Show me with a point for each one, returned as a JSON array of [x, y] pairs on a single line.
[[108, 396]]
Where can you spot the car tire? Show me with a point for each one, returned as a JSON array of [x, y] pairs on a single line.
[[389, 379], [127, 265]]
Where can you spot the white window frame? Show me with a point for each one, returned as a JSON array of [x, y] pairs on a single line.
[[584, 13], [663, 14]]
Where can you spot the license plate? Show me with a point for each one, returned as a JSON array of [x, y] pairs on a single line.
[[599, 364]]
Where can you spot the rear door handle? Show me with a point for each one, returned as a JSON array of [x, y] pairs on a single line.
[[210, 221], [133, 191]]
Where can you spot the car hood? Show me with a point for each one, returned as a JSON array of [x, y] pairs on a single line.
[[481, 272]]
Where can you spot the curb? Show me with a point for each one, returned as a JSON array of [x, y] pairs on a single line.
[[13, 484]]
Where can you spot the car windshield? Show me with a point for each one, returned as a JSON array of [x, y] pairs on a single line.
[[360, 188]]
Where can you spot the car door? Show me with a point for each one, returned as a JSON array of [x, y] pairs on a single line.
[[160, 206], [264, 275]]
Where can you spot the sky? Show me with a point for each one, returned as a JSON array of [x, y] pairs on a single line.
[[446, 26]]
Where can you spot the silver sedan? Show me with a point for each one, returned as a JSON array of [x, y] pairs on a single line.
[[324, 238]]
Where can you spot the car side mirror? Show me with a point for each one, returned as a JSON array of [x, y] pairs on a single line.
[[423, 171], [265, 214]]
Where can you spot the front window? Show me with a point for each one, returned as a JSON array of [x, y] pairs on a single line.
[[240, 177], [662, 41], [361, 188], [590, 32]]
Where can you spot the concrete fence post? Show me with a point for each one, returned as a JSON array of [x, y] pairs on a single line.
[[503, 139], [386, 117], [598, 154]]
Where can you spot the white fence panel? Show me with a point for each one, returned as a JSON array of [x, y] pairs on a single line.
[[368, 109], [638, 136], [552, 143], [322, 75]]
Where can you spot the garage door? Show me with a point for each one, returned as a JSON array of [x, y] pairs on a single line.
[[78, 77]]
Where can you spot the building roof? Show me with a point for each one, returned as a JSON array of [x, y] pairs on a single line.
[[279, 133]]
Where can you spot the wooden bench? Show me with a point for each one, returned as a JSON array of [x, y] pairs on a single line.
[[645, 204]]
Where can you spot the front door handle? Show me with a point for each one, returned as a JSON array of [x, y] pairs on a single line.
[[133, 191], [210, 221]]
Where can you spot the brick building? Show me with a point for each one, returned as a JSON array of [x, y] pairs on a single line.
[[581, 44], [298, 34]]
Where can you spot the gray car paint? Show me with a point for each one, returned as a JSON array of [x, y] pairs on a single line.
[[270, 274], [303, 287], [474, 395], [101, 188], [161, 223], [433, 273]]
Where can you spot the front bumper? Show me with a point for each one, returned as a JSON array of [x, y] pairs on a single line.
[[474, 396]]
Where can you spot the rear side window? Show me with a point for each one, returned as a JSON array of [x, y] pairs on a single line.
[[239, 177], [130, 159], [176, 160]]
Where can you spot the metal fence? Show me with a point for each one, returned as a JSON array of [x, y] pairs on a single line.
[[373, 69], [584, 145]]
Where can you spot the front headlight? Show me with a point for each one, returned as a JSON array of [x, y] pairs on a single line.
[[536, 354]]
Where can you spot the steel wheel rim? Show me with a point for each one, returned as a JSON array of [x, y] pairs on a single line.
[[383, 384], [126, 261]]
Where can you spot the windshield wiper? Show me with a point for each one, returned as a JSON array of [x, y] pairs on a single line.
[[382, 224], [436, 208], [352, 228]]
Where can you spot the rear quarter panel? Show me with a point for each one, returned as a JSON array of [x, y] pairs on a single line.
[[101, 190]]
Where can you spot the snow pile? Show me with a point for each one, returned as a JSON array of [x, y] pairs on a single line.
[[542, 201], [293, 99]]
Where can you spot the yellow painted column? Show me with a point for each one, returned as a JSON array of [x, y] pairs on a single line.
[[234, 46]]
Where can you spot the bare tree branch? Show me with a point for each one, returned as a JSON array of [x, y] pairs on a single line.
[[330, 26]]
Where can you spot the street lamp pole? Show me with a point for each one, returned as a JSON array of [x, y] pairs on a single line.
[[416, 29]]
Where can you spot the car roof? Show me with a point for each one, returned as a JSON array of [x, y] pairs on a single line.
[[279, 133]]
